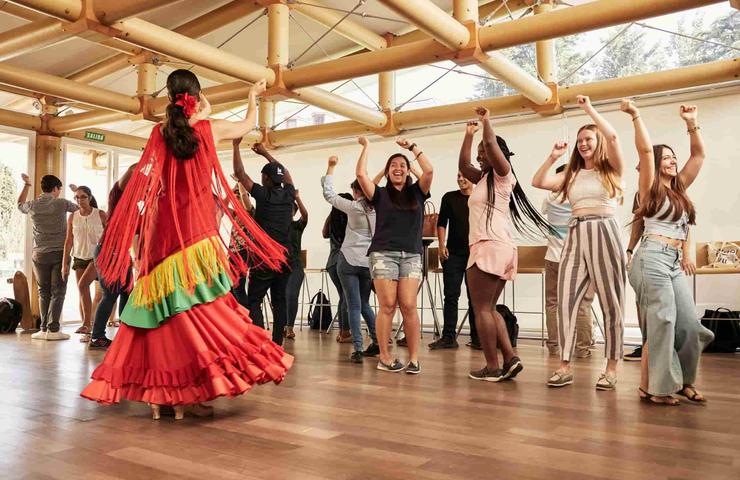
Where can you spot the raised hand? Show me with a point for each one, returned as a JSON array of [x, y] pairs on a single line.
[[237, 141], [583, 101], [73, 187], [259, 149], [258, 88], [363, 141], [558, 150], [483, 113], [688, 112], [403, 143], [25, 178], [628, 107], [333, 161], [471, 128]]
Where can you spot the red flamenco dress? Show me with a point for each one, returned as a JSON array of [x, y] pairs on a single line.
[[183, 339]]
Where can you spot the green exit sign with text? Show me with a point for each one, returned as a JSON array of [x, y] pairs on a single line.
[[95, 136]]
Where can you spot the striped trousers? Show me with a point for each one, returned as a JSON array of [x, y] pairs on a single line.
[[592, 253]]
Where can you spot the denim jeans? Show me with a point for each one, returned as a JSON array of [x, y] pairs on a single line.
[[47, 268], [343, 315], [107, 302], [453, 275], [356, 283], [293, 290], [668, 317]]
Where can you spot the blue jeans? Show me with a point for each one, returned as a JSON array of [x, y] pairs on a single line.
[[107, 302], [356, 283], [342, 306], [453, 275], [668, 317], [293, 290]]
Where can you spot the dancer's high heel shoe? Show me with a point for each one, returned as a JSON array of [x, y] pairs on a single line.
[[179, 412], [155, 411]]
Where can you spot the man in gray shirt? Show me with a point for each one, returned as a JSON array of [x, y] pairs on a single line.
[[49, 218]]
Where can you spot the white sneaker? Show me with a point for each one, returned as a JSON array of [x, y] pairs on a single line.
[[40, 335], [56, 336]]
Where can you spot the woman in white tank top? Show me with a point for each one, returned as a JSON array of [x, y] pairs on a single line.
[[593, 254], [84, 229]]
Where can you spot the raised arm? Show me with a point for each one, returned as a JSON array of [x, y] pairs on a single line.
[[366, 183], [613, 148], [543, 178], [691, 170], [644, 149], [24, 191], [427, 171], [260, 150], [327, 186], [494, 156], [463, 164], [226, 130], [239, 172], [301, 208]]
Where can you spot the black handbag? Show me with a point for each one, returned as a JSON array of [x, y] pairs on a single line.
[[725, 324]]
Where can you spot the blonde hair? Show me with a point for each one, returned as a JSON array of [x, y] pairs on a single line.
[[607, 174]]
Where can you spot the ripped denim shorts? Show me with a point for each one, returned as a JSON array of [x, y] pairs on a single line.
[[389, 265]]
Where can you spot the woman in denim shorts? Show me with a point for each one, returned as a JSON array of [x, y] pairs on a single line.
[[395, 250]]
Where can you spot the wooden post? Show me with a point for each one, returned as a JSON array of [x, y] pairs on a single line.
[[547, 66], [465, 10]]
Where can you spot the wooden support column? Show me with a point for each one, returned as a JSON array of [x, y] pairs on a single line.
[[387, 91], [547, 66], [465, 10], [147, 79], [278, 15], [266, 117]]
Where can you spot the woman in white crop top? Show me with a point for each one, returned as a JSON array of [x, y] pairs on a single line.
[[84, 229], [673, 338], [592, 254]]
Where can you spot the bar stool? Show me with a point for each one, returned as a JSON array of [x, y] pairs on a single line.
[[306, 291]]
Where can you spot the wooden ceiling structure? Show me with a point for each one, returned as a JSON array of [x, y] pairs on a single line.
[[440, 35]]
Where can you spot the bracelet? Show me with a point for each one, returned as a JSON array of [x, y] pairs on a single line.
[[418, 154], [635, 117], [411, 148], [692, 130], [629, 250]]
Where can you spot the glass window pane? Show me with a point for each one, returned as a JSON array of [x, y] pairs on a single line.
[[13, 224]]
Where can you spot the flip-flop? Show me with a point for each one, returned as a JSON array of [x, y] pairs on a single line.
[[668, 400], [696, 397]]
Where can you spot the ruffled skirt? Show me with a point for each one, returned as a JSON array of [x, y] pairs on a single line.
[[208, 351]]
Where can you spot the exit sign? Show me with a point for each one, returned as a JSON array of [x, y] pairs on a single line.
[[95, 136]]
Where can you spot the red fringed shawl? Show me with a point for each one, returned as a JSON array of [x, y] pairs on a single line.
[[172, 204]]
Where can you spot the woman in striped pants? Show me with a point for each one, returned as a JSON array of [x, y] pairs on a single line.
[[593, 253]]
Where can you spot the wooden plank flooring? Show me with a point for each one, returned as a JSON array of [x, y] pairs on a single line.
[[332, 420]]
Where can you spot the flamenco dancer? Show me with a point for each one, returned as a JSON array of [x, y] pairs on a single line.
[[184, 339]]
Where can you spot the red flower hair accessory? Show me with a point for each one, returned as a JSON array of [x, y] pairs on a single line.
[[188, 103]]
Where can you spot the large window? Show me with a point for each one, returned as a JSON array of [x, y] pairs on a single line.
[[13, 224]]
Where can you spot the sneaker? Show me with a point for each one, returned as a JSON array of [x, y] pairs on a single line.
[[40, 335], [395, 366], [99, 344], [606, 382], [56, 336], [372, 350], [635, 356], [560, 379], [487, 375], [401, 342], [475, 345], [444, 342], [512, 367], [413, 368], [356, 357]]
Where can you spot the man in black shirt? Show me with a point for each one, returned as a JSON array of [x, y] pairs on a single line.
[[454, 257], [274, 213]]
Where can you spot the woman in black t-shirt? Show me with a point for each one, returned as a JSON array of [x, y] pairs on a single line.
[[395, 251]]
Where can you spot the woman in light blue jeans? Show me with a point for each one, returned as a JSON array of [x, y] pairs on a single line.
[[673, 338], [352, 264]]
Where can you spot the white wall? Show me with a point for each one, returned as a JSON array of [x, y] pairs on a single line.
[[715, 193]]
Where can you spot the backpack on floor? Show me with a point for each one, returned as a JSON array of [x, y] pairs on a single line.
[[319, 313], [11, 313], [511, 325], [725, 324]]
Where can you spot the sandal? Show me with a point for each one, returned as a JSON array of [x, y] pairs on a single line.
[[667, 400], [692, 395], [83, 330]]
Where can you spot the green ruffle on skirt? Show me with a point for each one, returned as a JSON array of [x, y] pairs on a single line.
[[178, 301]]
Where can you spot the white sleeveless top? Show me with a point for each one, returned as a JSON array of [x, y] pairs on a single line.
[[587, 191], [87, 231]]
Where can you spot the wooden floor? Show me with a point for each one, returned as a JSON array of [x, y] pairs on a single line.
[[334, 420]]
